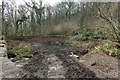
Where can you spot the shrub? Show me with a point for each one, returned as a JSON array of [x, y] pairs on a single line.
[[111, 47], [89, 36], [116, 51], [21, 52]]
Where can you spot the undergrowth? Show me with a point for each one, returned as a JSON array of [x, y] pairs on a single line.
[[110, 47], [20, 52]]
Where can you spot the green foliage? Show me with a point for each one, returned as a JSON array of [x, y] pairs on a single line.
[[21, 52], [68, 42], [116, 51], [57, 42], [107, 47], [110, 46], [54, 52], [89, 36]]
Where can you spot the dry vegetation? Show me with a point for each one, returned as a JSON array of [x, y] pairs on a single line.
[[86, 30]]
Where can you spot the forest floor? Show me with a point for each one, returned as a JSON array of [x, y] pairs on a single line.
[[51, 60]]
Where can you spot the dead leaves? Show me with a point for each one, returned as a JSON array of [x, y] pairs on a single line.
[[109, 52]]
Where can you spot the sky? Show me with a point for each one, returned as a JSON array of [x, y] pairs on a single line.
[[0, 2], [53, 2]]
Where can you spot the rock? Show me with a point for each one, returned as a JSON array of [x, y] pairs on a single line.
[[72, 55], [1, 45], [17, 61], [19, 65], [2, 42], [26, 59], [93, 64], [13, 60]]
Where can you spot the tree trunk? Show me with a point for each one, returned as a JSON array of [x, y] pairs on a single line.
[[114, 27], [2, 17]]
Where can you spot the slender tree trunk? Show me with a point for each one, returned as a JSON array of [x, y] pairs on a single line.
[[16, 29], [2, 17], [21, 29]]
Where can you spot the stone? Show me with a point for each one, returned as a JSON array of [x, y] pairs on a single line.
[[2, 45], [19, 65], [26, 59], [17, 61]]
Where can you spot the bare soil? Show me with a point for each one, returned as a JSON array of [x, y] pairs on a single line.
[[54, 61]]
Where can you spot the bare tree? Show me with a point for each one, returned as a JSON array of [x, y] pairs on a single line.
[[2, 17], [114, 26]]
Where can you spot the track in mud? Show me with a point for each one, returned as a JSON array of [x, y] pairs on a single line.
[[54, 62]]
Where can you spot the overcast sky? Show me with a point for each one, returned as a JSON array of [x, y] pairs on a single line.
[[52, 2], [0, 2]]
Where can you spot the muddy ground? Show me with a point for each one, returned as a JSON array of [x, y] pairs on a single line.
[[54, 60]]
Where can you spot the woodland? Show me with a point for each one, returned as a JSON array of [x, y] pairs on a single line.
[[81, 38]]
